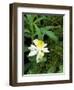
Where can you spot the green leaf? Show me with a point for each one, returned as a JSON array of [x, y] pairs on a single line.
[[38, 32], [26, 31], [39, 19], [61, 68], [50, 34], [51, 69], [32, 59], [52, 27], [30, 18], [27, 34]]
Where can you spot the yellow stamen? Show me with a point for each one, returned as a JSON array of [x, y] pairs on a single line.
[[39, 43]]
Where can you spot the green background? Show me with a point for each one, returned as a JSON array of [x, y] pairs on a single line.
[[48, 28]]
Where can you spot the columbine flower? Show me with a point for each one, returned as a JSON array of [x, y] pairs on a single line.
[[38, 48]]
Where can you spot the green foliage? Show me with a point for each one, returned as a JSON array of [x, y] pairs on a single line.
[[50, 29]]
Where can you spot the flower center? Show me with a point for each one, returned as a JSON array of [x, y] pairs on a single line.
[[40, 44]]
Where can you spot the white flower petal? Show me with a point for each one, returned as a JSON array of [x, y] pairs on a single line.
[[45, 50], [32, 53], [45, 45], [35, 41], [32, 47], [39, 56]]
